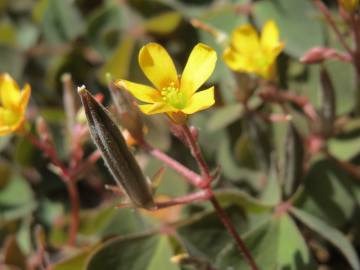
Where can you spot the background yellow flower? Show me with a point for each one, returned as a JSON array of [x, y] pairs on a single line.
[[349, 5], [249, 52], [13, 103], [173, 95]]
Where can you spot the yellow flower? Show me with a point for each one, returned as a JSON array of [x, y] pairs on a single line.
[[253, 54], [349, 5], [13, 104], [176, 96]]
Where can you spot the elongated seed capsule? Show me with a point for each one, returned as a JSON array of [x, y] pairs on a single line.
[[115, 152]]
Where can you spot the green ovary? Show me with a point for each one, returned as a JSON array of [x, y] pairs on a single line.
[[172, 96]]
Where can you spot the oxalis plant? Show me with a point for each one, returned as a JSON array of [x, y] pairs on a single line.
[[242, 154]]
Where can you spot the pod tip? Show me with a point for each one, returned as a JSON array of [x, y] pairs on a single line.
[[81, 89]]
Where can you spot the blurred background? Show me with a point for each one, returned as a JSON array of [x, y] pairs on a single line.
[[42, 40]]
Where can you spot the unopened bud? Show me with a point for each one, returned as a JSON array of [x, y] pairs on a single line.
[[128, 111], [115, 152], [43, 131], [319, 54]]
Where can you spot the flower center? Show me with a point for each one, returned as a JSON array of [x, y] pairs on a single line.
[[173, 96]]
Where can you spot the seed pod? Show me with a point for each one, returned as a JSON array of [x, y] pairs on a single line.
[[328, 104], [292, 169], [115, 152]]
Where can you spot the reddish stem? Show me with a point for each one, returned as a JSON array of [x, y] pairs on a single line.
[[202, 195], [75, 209], [273, 95], [49, 152], [196, 152], [232, 231], [192, 177], [69, 181], [82, 168], [207, 178], [324, 10]]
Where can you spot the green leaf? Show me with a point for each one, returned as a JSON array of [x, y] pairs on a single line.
[[344, 149], [224, 116], [123, 222], [164, 23], [172, 185], [9, 195], [329, 193], [62, 21], [11, 61], [95, 220], [331, 234], [272, 191], [118, 63], [77, 261], [149, 252], [7, 33], [13, 206], [104, 26], [277, 244], [242, 199], [298, 37], [204, 235], [230, 168]]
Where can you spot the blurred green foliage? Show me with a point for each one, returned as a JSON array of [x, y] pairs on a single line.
[[264, 165]]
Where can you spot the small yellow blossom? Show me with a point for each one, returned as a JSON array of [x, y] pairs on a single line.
[[253, 54], [13, 103], [174, 95], [349, 5]]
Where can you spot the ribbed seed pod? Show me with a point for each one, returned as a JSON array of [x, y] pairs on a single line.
[[115, 152]]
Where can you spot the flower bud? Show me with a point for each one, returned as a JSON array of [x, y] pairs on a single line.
[[115, 152], [128, 112], [319, 54]]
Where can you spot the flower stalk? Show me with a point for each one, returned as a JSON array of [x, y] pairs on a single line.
[[69, 180], [206, 181]]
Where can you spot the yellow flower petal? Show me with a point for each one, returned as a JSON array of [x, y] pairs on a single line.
[[158, 66], [24, 97], [245, 39], [7, 117], [142, 92], [268, 72], [200, 101], [199, 67], [156, 108], [9, 121], [237, 61], [5, 130], [349, 5], [270, 35], [9, 92]]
